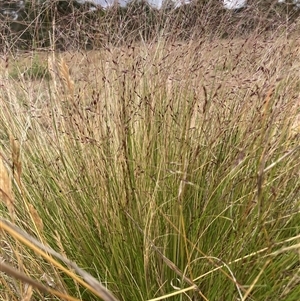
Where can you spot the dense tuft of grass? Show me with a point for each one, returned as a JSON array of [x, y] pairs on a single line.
[[166, 170]]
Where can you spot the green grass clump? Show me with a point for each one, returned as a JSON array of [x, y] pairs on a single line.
[[163, 168], [35, 70]]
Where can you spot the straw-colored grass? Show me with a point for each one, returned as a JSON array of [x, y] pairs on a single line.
[[167, 171]]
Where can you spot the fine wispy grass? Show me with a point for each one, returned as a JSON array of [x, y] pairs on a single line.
[[166, 171]]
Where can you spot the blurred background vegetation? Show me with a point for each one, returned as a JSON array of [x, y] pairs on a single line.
[[71, 25]]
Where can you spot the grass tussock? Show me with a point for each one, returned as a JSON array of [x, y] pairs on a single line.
[[167, 171]]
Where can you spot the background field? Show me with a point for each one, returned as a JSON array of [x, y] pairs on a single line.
[[168, 169]]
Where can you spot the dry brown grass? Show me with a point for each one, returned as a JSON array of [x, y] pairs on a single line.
[[236, 70]]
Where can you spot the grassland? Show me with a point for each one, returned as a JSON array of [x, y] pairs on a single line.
[[167, 171]]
